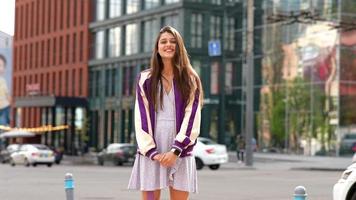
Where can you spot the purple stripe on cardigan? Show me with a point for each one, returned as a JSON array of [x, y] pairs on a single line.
[[183, 144], [147, 89], [194, 111], [152, 152], [179, 106], [143, 116]]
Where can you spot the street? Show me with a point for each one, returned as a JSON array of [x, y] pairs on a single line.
[[109, 182]]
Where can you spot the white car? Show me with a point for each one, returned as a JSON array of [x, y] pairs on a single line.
[[32, 154], [345, 188], [208, 152]]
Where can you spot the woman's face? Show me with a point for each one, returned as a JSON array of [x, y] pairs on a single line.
[[2, 66], [167, 45]]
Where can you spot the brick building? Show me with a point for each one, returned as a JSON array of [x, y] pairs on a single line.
[[50, 68]]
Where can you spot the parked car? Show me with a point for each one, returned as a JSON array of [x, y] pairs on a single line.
[[347, 144], [32, 154], [118, 154], [5, 154], [207, 152], [345, 188]]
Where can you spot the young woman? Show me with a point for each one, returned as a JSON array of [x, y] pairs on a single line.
[[167, 121]]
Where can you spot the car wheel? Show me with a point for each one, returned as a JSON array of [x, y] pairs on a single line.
[[49, 165], [199, 163], [353, 197], [117, 163], [214, 167], [12, 162], [34, 164], [100, 162], [27, 164]]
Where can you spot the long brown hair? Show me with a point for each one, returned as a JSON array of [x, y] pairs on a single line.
[[184, 75]]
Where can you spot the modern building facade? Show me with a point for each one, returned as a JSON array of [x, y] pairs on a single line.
[[309, 77], [124, 32], [51, 49]]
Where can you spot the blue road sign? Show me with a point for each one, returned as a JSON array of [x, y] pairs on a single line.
[[214, 48]]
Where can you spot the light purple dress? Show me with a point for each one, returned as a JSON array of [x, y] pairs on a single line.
[[148, 175]]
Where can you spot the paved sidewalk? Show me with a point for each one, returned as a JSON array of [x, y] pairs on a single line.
[[293, 162]]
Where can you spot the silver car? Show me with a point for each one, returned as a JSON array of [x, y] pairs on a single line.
[[32, 154]]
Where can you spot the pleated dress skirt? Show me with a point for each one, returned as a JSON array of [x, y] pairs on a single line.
[[148, 175]]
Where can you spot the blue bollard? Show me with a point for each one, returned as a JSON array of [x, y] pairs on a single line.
[[69, 186], [300, 193]]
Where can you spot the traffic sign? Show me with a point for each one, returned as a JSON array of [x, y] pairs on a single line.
[[214, 48]]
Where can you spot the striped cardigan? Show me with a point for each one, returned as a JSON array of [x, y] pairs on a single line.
[[187, 119]]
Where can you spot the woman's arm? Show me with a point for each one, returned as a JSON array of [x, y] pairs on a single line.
[[190, 127], [145, 141]]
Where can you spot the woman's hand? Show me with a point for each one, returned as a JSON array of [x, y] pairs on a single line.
[[168, 159], [158, 157]]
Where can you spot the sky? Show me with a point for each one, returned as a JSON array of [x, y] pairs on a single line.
[[7, 16]]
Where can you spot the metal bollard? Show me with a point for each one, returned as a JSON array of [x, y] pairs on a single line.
[[300, 193], [69, 186]]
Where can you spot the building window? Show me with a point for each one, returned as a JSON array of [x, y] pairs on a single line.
[[38, 18], [81, 46], [54, 83], [30, 57], [68, 13], [61, 15], [100, 10], [60, 49], [91, 84], [132, 6], [80, 81], [171, 1], [171, 20], [75, 13], [115, 42], [215, 24], [107, 82], [54, 7], [74, 49], [43, 53], [228, 77], [48, 52], [67, 48], [150, 33], [97, 84], [54, 51], [229, 35], [214, 78], [59, 92], [196, 30], [197, 66], [99, 44], [217, 2], [73, 82], [127, 85], [43, 17], [115, 7], [148, 4], [131, 42], [113, 82], [66, 79]]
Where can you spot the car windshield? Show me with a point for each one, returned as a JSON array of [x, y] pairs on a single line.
[[350, 136], [206, 141], [41, 147]]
